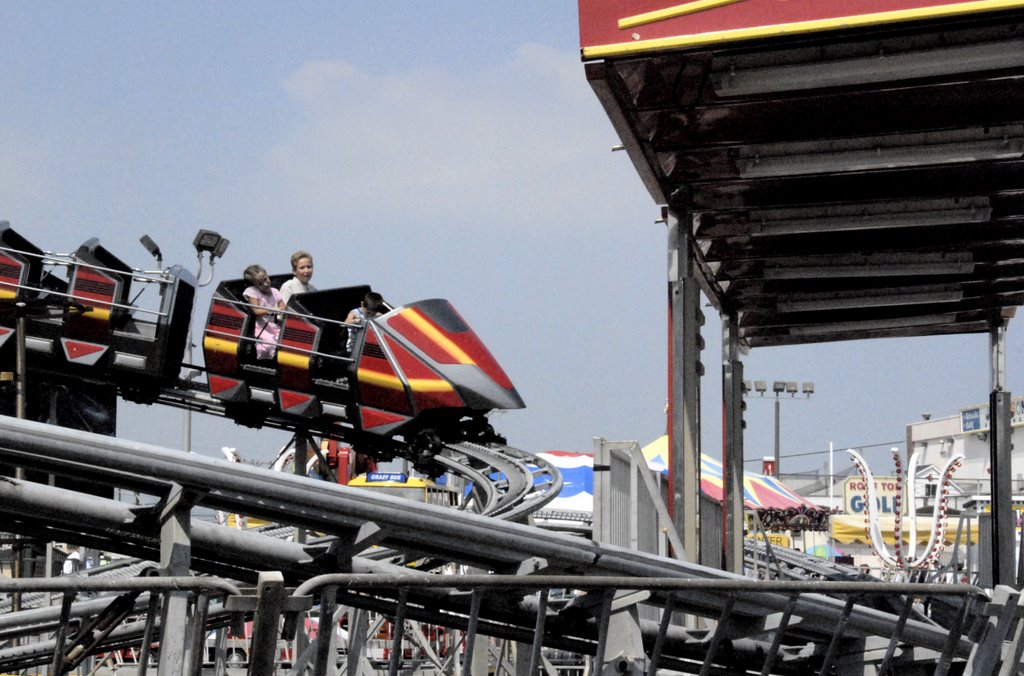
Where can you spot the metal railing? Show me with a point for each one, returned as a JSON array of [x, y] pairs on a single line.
[[532, 611]]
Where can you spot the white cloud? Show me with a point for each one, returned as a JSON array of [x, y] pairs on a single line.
[[26, 182], [511, 143], [318, 79]]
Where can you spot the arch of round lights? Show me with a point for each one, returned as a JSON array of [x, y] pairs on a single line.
[[899, 560]]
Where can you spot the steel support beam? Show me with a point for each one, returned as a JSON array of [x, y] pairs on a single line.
[[623, 646], [175, 561], [1000, 449], [300, 458], [732, 444], [684, 322], [265, 624], [988, 650]]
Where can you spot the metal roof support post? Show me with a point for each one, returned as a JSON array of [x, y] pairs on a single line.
[[732, 431], [1003, 516], [175, 561], [684, 322]]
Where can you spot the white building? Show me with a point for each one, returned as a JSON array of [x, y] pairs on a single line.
[[966, 433]]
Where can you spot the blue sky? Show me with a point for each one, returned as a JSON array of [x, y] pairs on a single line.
[[445, 149]]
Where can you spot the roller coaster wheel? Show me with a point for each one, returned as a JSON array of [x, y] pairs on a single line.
[[425, 446], [480, 431], [427, 442], [140, 395], [247, 415]]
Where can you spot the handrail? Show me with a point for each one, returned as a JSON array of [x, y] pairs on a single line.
[[290, 313], [74, 583], [539, 582], [66, 260], [62, 294]]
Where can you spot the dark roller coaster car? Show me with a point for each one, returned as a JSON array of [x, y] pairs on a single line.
[[408, 379], [400, 384], [82, 323]]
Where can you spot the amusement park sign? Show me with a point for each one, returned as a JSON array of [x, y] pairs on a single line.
[[610, 28], [976, 418], [854, 490]]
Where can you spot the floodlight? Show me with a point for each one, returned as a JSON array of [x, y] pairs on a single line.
[[791, 387], [746, 386], [208, 240], [761, 386], [151, 246], [808, 388], [778, 386]]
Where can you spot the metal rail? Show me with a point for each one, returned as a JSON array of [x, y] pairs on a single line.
[[507, 482], [456, 602], [359, 520], [519, 483], [795, 565]]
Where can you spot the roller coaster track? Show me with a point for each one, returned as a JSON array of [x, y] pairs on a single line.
[[355, 522], [788, 564], [507, 483]]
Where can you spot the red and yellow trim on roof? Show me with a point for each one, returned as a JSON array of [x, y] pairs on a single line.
[[639, 46]]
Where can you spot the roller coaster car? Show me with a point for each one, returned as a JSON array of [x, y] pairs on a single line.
[[414, 376], [80, 322]]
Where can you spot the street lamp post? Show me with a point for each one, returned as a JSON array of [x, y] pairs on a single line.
[[779, 387], [206, 242]]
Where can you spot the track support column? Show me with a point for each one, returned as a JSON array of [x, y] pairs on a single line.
[[732, 444], [685, 369], [175, 561]]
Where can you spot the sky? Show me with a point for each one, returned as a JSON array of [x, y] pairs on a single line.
[[448, 149]]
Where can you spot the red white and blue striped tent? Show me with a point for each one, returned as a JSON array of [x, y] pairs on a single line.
[[577, 471], [759, 491]]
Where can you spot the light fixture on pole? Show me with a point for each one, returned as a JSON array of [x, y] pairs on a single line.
[[208, 242], [790, 387], [153, 249]]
